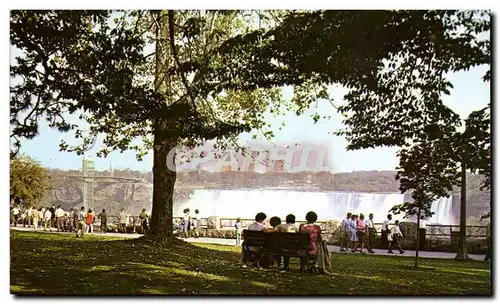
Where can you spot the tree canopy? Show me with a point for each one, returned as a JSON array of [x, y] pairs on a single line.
[[181, 77], [28, 181]]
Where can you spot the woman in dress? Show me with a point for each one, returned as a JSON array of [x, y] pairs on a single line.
[[353, 236], [361, 231], [314, 235]]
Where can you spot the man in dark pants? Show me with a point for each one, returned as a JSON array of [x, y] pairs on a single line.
[[395, 236], [371, 233], [384, 232], [53, 221], [104, 221]]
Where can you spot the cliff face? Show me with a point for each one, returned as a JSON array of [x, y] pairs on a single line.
[[133, 195]]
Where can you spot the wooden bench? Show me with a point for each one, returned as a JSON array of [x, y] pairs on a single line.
[[279, 243]]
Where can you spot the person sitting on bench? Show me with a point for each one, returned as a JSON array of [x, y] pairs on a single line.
[[314, 234], [275, 221], [289, 227], [252, 252]]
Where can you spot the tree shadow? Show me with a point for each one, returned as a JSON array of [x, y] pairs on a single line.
[[64, 265]]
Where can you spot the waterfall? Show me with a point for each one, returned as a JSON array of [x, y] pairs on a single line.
[[245, 203]]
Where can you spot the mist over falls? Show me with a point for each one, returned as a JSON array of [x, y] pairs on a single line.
[[245, 203]]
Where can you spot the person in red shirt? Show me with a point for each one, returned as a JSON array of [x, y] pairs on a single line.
[[314, 235], [90, 218]]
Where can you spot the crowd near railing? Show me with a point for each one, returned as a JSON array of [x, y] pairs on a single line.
[[431, 231]]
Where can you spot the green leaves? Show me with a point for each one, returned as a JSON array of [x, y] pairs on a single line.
[[28, 181]]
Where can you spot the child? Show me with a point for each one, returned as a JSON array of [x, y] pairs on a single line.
[[394, 238], [238, 231]]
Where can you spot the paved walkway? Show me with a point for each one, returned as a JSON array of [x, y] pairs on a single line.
[[332, 248]]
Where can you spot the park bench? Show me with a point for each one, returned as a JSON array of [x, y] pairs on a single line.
[[279, 243]]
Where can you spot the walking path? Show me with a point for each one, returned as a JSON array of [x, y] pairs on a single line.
[[331, 248]]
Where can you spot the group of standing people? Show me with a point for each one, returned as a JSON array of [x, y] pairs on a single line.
[[73, 220], [54, 218], [356, 232], [126, 220], [190, 224]]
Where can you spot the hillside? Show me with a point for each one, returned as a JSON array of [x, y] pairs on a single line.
[[115, 194]]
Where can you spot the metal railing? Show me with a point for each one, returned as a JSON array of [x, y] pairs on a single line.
[[448, 230], [431, 231]]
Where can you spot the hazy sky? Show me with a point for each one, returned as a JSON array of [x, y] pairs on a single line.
[[470, 93]]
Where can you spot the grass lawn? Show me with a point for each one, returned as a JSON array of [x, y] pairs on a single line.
[[51, 264]]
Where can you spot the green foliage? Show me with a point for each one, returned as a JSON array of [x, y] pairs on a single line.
[[214, 74], [103, 72], [478, 149], [393, 63], [430, 168], [102, 265], [28, 181]]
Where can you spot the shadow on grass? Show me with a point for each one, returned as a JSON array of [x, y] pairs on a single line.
[[49, 264]]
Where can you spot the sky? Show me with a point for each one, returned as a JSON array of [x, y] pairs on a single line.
[[469, 93]]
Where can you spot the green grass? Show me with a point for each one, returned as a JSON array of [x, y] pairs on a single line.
[[52, 264]]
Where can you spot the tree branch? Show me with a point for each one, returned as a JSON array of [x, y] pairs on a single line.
[[171, 29]]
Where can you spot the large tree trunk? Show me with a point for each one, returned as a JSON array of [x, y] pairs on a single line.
[[163, 190], [163, 177]]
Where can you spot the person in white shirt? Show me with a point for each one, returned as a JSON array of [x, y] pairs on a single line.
[[47, 216], [385, 232], [344, 232], [15, 212], [371, 233], [394, 238], [123, 222], [60, 219], [253, 253], [288, 227], [258, 225]]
